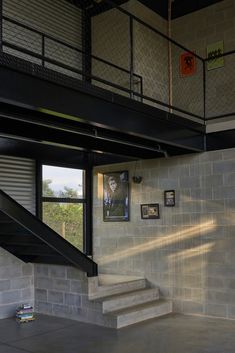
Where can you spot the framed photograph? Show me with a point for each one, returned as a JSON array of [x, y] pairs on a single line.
[[215, 57], [150, 211], [187, 64], [116, 196], [169, 198]]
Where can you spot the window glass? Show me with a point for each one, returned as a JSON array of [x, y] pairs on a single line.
[[62, 182], [65, 219]]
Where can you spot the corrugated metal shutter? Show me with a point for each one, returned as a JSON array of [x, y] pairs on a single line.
[[56, 18], [17, 179]]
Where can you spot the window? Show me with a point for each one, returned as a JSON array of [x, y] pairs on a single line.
[[63, 201]]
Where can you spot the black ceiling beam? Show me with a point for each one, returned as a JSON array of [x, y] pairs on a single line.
[[179, 7], [46, 135], [184, 7], [100, 109], [220, 140]]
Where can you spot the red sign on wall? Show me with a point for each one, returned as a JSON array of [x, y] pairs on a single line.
[[187, 64]]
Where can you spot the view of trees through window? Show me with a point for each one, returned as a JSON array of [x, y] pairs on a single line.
[[65, 216]]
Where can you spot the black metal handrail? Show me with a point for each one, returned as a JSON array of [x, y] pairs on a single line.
[[69, 46], [41, 231], [129, 90]]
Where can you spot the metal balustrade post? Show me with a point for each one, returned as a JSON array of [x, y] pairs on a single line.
[[1, 24], [86, 46], [43, 50], [204, 91], [131, 57]]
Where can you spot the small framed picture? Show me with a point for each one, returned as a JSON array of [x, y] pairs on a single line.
[[150, 211], [169, 198]]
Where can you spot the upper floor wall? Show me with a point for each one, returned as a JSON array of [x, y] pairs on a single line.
[[126, 51]]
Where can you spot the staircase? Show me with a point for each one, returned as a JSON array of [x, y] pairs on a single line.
[[126, 300]]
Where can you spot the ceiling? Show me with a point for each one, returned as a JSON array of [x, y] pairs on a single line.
[[179, 7]]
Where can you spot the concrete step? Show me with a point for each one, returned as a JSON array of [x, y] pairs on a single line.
[[129, 299], [138, 313], [105, 286]]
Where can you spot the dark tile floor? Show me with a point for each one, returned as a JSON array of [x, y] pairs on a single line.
[[171, 334]]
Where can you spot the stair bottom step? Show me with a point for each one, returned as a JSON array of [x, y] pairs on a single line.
[[139, 313]]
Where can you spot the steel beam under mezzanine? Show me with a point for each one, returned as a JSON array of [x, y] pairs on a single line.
[[113, 122]]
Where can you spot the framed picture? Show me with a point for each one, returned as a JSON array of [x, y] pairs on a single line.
[[169, 198], [150, 211], [116, 196], [187, 64], [215, 57]]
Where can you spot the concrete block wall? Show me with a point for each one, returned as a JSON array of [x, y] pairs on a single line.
[[16, 277], [196, 31], [111, 41], [63, 291], [189, 251], [16, 284]]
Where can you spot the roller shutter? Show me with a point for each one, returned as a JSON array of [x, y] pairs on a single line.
[[17, 179]]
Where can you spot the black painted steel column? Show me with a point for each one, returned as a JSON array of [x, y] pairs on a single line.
[[131, 57], [204, 90], [87, 239], [38, 189], [86, 45], [1, 24]]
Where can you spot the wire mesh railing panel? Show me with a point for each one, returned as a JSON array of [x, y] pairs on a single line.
[[151, 62], [187, 82], [57, 18], [110, 37], [22, 37], [111, 43], [220, 88], [110, 49], [63, 55], [113, 77]]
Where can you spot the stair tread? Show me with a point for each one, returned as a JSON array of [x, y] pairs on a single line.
[[125, 294], [110, 280], [139, 307]]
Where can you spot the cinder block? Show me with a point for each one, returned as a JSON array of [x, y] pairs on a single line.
[[222, 167], [74, 273], [225, 192], [27, 269], [60, 310], [229, 179], [57, 271], [41, 295], [190, 307], [214, 282], [19, 283], [168, 183], [9, 272], [43, 283], [11, 296], [189, 182], [216, 310], [72, 299], [7, 311], [76, 286], [55, 297], [43, 307], [42, 270], [60, 285], [4, 285], [27, 294], [231, 311]]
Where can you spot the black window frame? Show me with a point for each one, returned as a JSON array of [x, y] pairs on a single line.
[[86, 200]]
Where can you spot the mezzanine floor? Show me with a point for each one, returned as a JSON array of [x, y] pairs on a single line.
[[171, 334]]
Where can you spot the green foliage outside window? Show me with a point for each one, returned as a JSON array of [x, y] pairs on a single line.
[[64, 218]]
